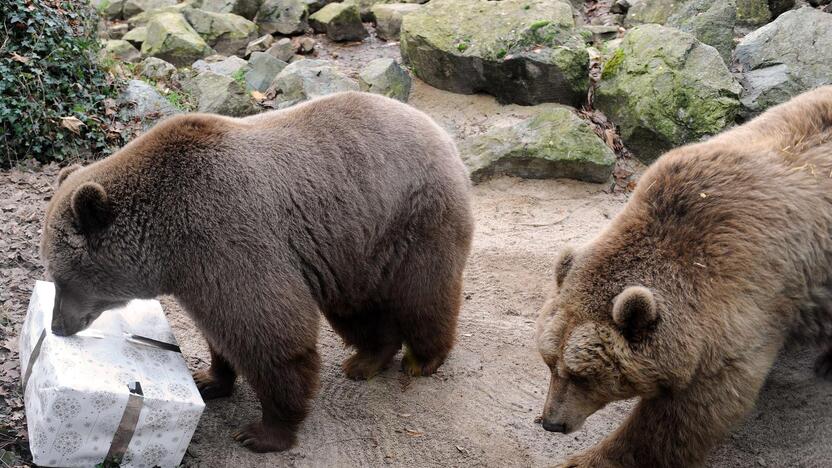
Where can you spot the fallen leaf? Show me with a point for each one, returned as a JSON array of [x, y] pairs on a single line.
[[413, 432], [19, 58], [72, 124], [258, 96]]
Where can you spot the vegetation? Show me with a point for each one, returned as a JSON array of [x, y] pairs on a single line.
[[53, 95]]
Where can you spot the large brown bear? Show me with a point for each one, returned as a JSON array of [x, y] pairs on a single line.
[[723, 253], [354, 205]]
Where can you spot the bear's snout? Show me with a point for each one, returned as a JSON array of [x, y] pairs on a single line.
[[555, 426]]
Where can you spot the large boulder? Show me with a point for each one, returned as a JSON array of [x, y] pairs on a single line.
[[226, 66], [144, 103], [521, 51], [308, 79], [171, 38], [554, 143], [134, 7], [282, 16], [283, 49], [712, 22], [388, 18], [753, 12], [220, 94], [227, 33], [262, 68], [365, 7], [111, 9], [136, 36], [119, 50], [786, 57], [340, 22], [664, 88], [156, 69], [143, 19], [386, 77], [245, 8], [748, 12]]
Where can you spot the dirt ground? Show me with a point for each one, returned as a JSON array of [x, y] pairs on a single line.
[[479, 409]]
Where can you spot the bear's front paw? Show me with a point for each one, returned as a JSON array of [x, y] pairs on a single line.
[[260, 438], [588, 459], [415, 367], [210, 386]]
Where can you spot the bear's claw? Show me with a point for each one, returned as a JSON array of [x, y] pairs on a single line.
[[210, 386], [259, 438]]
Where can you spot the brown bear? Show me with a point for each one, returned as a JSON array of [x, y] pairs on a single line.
[[722, 255], [354, 205]]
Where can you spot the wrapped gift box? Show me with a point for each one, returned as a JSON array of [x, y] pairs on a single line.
[[118, 390]]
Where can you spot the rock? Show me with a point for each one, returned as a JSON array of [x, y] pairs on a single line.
[[282, 16], [111, 9], [664, 88], [521, 51], [156, 69], [263, 68], [386, 77], [146, 104], [365, 7], [136, 36], [220, 94], [652, 11], [314, 5], [554, 143], [119, 50], [117, 30], [260, 44], [283, 49], [779, 61], [134, 7], [227, 33], [306, 45], [226, 66], [712, 22], [245, 8], [340, 22], [171, 38], [753, 12], [308, 79], [388, 18], [143, 19]]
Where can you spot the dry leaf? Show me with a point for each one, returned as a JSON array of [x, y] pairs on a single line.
[[257, 95], [19, 58], [72, 124], [413, 432]]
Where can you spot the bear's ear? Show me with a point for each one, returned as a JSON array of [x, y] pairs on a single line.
[[635, 312], [91, 207], [563, 264], [65, 172]]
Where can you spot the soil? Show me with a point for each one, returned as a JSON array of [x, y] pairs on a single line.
[[480, 408]]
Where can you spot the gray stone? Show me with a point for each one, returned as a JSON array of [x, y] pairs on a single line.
[[712, 22], [388, 18], [282, 16], [119, 50], [784, 58], [308, 79], [283, 49], [136, 36], [229, 66], [386, 77], [663, 88], [111, 9], [117, 30], [245, 8], [340, 22], [219, 94], [263, 68], [555, 143], [365, 7], [748, 12], [134, 7], [306, 45], [314, 5], [145, 104], [156, 69], [227, 33], [261, 44], [143, 19], [503, 48], [171, 38]]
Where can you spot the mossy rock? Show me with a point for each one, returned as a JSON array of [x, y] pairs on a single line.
[[170, 37], [340, 22], [712, 22], [748, 12], [555, 143], [520, 51], [664, 88], [227, 33], [282, 17]]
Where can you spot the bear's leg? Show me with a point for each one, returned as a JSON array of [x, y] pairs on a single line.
[[217, 381], [823, 365], [284, 386], [375, 337], [680, 428], [427, 303]]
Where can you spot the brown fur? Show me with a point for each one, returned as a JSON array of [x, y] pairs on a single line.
[[354, 205], [723, 253]]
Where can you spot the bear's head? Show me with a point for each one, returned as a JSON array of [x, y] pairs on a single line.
[[92, 256], [598, 334]]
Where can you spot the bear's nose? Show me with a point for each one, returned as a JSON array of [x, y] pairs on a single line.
[[554, 426]]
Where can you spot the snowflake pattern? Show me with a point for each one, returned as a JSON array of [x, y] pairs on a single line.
[[68, 442], [65, 407], [153, 454]]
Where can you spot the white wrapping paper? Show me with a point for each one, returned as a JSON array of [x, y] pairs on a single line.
[[78, 388]]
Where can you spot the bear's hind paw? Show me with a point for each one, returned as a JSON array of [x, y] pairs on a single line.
[[259, 438], [415, 367]]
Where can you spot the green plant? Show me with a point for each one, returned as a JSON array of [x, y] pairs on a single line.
[[240, 76], [52, 91]]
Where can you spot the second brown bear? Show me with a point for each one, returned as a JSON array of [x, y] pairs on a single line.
[[353, 205]]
